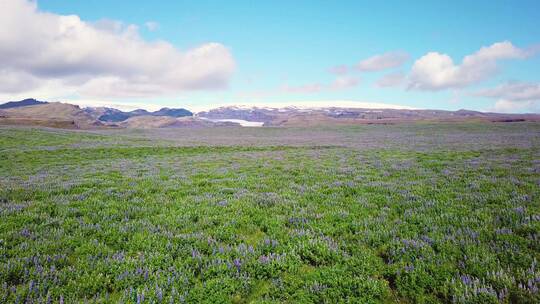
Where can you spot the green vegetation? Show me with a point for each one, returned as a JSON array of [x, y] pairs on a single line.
[[374, 214]]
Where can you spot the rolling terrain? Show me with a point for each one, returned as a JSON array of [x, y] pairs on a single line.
[[409, 213], [62, 115], [293, 116], [269, 152], [114, 115]]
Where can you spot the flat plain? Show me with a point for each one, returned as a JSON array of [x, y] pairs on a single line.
[[408, 213]]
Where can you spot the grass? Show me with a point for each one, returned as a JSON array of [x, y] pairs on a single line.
[[374, 214]]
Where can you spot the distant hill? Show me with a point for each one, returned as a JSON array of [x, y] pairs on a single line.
[[155, 121], [55, 114], [63, 115], [115, 115], [21, 103], [172, 112], [266, 115], [293, 116]]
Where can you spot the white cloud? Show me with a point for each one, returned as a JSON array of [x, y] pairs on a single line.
[[339, 69], [344, 82], [152, 26], [517, 91], [39, 51], [13, 81], [382, 62], [514, 97], [120, 105], [512, 106], [113, 26], [391, 80], [436, 71]]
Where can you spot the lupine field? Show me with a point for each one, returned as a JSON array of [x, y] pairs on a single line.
[[412, 213]]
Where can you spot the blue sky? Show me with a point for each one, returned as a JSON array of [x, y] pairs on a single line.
[[283, 52]]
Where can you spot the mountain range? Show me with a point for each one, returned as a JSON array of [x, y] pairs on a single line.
[[293, 116], [115, 115], [64, 115], [21, 103]]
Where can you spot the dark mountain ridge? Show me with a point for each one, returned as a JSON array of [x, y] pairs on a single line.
[[21, 103], [115, 115]]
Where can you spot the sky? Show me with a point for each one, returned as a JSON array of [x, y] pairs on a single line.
[[478, 55]]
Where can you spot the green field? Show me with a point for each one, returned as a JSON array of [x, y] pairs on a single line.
[[414, 213]]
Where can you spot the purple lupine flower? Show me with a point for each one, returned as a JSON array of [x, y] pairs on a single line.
[[140, 297], [467, 280], [26, 233], [31, 286], [520, 210], [195, 254], [264, 259], [159, 293], [237, 263], [118, 256], [409, 268]]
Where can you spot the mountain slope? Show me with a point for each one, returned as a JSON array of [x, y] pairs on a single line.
[[53, 114], [292, 116], [151, 121], [21, 103], [114, 115], [172, 112], [62, 115]]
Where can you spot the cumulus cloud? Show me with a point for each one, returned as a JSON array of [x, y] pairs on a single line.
[[513, 106], [382, 62], [517, 91], [436, 71], [344, 82], [151, 26], [13, 81], [391, 80], [339, 69], [99, 59], [514, 97]]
